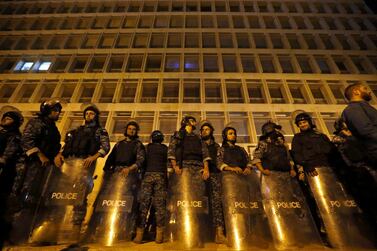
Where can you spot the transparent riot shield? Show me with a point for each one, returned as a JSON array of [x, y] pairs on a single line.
[[245, 223], [64, 193], [342, 217], [114, 215], [289, 217], [188, 210]]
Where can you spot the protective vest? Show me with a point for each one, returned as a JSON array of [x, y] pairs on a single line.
[[126, 153], [213, 154], [156, 157], [82, 142], [235, 156], [275, 158], [192, 148]]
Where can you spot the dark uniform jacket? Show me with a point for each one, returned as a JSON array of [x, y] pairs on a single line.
[[361, 120], [233, 156], [311, 149], [41, 135], [125, 154], [87, 140], [213, 148]]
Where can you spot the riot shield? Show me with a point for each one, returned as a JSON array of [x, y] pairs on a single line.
[[245, 223], [342, 217], [188, 209], [289, 217], [114, 215], [65, 190]]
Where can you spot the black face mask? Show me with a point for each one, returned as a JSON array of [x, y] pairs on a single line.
[[366, 96], [132, 137]]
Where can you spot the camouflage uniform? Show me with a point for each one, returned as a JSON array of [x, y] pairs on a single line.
[[40, 135], [215, 187], [99, 143]]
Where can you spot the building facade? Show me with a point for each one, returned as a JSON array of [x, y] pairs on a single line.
[[243, 61]]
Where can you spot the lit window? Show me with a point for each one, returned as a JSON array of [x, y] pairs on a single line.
[[26, 66], [44, 66]]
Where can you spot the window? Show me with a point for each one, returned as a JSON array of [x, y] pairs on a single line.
[[238, 22], [129, 91], [226, 40], [191, 63], [108, 90], [56, 42], [176, 21], [153, 63], [168, 124], [293, 42], [90, 41], [6, 91], [337, 91], [304, 64], [207, 22], [172, 63], [162, 7], [213, 91], [60, 64], [146, 22], [97, 63], [326, 40], [254, 22], [361, 65], [107, 41], [115, 22], [175, 40], [208, 40], [260, 41], [67, 91], [220, 6], [192, 22], [115, 63], [149, 91], [140, 41], [310, 41], [100, 23], [243, 40], [44, 66], [317, 93], [170, 91], [284, 22], [123, 41], [277, 43], [340, 63], [267, 64], [217, 120], [87, 93], [210, 63], [286, 64], [323, 64], [161, 22], [254, 89], [300, 22], [269, 22], [24, 66], [315, 23], [145, 120], [191, 91], [134, 63], [73, 42], [26, 92], [222, 22], [157, 40], [46, 91], [248, 63], [192, 40], [297, 94], [276, 94], [234, 91], [230, 63], [130, 22], [284, 119], [343, 41]]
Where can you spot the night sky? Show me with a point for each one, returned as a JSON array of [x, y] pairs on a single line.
[[372, 5]]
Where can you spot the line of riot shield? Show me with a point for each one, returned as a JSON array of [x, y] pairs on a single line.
[[343, 219], [65, 189], [114, 215], [245, 222], [290, 220], [188, 210]]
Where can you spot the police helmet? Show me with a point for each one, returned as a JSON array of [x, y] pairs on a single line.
[[304, 116], [269, 127], [185, 120], [207, 123], [157, 136], [50, 105], [16, 116], [91, 108]]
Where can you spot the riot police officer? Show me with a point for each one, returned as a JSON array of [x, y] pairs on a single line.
[[189, 157], [10, 151], [41, 144], [206, 133], [83, 146], [154, 186], [120, 183]]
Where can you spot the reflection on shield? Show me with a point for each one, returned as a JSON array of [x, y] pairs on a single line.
[[290, 221], [188, 208], [115, 209], [64, 189], [341, 215], [245, 223]]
